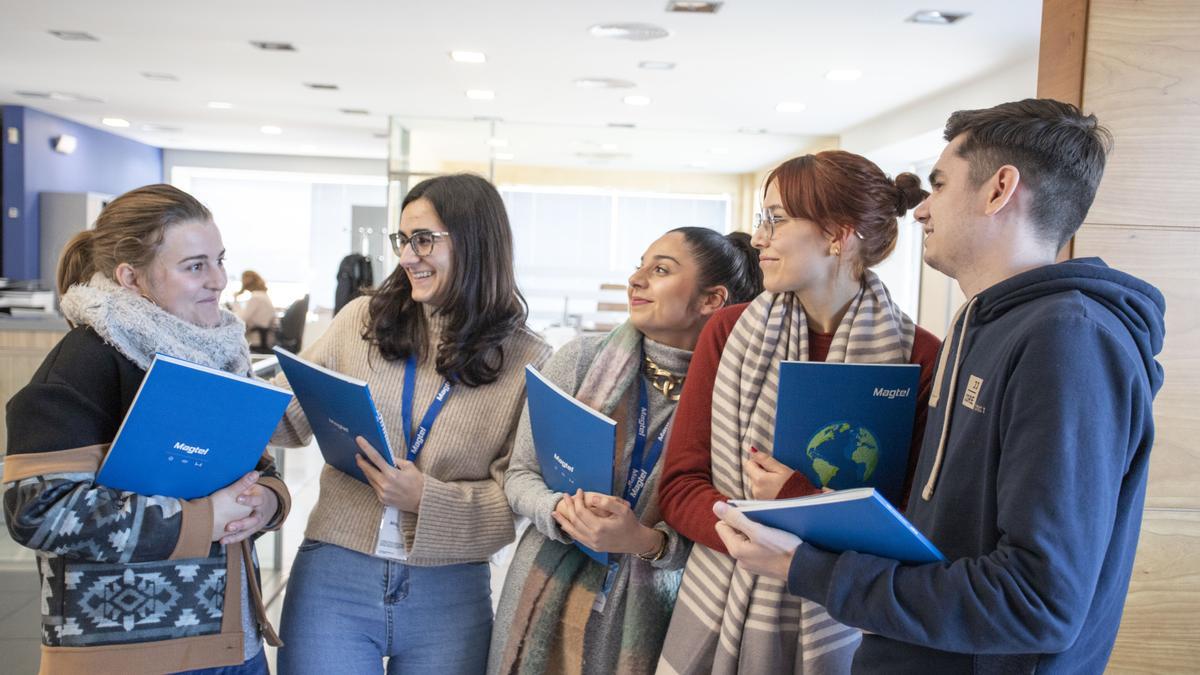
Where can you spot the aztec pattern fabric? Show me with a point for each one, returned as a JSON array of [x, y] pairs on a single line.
[[727, 620], [130, 583], [141, 602]]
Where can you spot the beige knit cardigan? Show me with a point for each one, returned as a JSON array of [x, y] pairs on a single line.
[[463, 516]]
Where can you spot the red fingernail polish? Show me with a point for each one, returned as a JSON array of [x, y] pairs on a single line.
[[753, 449]]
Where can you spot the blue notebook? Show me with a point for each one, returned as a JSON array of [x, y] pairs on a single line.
[[191, 430], [339, 408], [574, 443], [847, 425], [850, 520]]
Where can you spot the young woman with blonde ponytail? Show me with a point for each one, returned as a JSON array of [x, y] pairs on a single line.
[[136, 583]]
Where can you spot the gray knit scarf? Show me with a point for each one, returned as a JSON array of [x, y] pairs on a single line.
[[727, 620], [138, 328]]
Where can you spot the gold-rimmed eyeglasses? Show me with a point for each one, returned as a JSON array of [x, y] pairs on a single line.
[[421, 243], [768, 220]]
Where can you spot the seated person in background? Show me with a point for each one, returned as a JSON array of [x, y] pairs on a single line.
[[257, 312], [1033, 470], [134, 583]]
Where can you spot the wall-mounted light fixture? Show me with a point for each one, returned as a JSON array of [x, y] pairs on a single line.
[[65, 144]]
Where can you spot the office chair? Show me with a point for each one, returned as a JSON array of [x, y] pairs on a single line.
[[290, 334]]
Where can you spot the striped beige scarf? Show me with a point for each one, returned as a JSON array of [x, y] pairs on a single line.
[[727, 620]]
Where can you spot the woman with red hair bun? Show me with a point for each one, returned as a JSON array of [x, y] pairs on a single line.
[[826, 219]]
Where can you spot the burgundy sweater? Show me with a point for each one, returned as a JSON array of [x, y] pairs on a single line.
[[686, 493]]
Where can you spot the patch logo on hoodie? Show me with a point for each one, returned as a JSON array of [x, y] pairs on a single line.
[[971, 395]]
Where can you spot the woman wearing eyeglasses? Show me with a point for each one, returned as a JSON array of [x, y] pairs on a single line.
[[826, 220], [397, 567], [560, 612]]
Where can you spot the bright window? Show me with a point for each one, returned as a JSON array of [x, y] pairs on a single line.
[[572, 241]]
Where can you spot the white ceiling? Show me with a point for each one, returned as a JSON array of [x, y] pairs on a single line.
[[391, 57]]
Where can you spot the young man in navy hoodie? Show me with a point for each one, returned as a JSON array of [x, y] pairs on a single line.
[[1032, 474]]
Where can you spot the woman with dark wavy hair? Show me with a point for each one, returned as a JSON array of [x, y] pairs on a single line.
[[397, 567]]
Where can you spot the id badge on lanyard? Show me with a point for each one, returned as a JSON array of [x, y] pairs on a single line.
[[390, 543], [641, 464]]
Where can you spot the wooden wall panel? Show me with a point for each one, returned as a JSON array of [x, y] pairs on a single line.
[[1169, 258], [21, 352], [1160, 628], [1142, 79], [1061, 56]]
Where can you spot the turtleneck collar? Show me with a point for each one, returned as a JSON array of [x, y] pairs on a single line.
[[669, 358]]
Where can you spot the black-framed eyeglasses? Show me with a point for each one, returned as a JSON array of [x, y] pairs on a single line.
[[769, 220], [421, 243]]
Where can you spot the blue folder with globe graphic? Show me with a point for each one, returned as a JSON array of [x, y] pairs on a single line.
[[847, 425]]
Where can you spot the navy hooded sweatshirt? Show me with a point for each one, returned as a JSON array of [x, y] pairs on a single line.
[[1033, 487]]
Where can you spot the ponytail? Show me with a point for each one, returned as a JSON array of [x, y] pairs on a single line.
[[75, 265]]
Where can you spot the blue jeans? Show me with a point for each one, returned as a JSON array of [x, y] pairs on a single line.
[[255, 666], [345, 611]]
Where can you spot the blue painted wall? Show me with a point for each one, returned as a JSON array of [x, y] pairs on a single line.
[[102, 162]]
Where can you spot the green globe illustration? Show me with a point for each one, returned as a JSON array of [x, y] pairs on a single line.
[[843, 455]]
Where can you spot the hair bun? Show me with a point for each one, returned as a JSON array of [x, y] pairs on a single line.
[[908, 192], [741, 240]]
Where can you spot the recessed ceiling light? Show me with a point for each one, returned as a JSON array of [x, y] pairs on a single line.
[[159, 128], [656, 65], [846, 75], [115, 122], [638, 32], [323, 86], [59, 96], [468, 57], [752, 131], [790, 107], [937, 18], [481, 94], [354, 111], [601, 157], [74, 35], [270, 130], [719, 151], [503, 156], [693, 6], [274, 46], [160, 77], [219, 105], [498, 142], [603, 83], [637, 100]]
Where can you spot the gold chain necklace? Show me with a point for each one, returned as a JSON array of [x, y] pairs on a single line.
[[662, 379]]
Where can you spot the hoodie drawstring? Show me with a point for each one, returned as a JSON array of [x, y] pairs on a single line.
[[965, 312]]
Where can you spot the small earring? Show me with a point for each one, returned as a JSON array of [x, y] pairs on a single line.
[[835, 249]]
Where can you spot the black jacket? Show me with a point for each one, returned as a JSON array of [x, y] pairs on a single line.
[[131, 583]]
